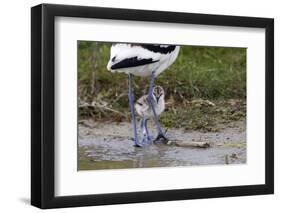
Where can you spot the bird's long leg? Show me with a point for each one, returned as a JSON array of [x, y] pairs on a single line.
[[131, 101], [144, 138], [149, 137], [150, 101]]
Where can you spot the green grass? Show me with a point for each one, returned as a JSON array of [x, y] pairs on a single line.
[[198, 115], [209, 73]]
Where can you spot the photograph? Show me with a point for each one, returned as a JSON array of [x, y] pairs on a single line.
[[141, 105], [160, 105]]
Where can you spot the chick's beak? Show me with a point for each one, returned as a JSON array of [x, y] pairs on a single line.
[[157, 99]]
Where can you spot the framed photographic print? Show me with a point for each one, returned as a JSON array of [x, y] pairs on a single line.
[[139, 106]]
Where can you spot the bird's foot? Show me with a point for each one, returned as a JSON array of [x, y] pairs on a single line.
[[150, 138], [136, 143], [161, 137], [147, 139]]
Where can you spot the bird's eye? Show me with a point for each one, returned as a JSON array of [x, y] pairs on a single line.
[[113, 59]]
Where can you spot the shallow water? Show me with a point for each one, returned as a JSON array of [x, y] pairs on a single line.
[[107, 146]]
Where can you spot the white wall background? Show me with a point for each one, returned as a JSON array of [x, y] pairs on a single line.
[[15, 105]]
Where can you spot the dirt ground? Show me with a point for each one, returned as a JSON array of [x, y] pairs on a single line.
[[109, 146]]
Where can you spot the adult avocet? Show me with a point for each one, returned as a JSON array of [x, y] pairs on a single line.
[[144, 110], [142, 60]]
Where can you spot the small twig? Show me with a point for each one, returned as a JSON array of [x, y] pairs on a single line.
[[118, 97], [192, 144], [112, 110], [100, 107]]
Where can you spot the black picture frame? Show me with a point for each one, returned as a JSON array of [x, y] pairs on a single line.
[[43, 117]]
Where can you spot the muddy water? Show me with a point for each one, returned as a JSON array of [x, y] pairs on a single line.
[[108, 146]]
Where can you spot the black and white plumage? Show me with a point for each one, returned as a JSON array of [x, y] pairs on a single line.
[[141, 59]]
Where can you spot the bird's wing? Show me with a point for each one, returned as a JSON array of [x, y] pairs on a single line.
[[159, 48], [130, 55], [132, 62]]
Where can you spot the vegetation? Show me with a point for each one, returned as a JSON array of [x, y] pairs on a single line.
[[205, 87]]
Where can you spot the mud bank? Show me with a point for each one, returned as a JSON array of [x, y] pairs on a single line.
[[109, 146]]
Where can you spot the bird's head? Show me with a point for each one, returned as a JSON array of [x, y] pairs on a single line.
[[110, 63], [117, 52], [158, 93]]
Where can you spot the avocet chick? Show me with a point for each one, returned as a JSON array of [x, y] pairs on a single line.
[[145, 111]]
